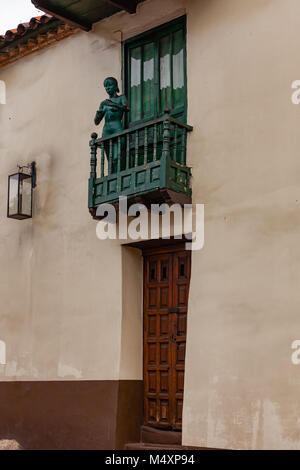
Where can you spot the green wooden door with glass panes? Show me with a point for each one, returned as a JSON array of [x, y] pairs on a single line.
[[155, 73]]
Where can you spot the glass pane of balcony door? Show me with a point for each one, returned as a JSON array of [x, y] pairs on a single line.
[[135, 84], [178, 69], [148, 81], [165, 74]]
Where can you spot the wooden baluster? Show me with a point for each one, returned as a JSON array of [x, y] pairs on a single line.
[[145, 145], [175, 142], [110, 157], [155, 143], [127, 151], [93, 171], [136, 148], [102, 159], [166, 140], [183, 147], [119, 155], [93, 146]]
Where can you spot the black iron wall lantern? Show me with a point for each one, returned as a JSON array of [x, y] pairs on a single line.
[[20, 185]]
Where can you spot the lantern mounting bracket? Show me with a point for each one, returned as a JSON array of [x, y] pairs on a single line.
[[32, 169], [33, 174]]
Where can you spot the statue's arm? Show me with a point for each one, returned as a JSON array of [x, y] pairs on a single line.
[[99, 115], [125, 103]]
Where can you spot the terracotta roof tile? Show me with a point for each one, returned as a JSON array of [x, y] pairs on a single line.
[[27, 38]]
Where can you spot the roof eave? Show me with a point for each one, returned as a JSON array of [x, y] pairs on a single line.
[[30, 37], [67, 17]]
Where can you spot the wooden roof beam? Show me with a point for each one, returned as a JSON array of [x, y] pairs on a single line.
[[66, 18], [127, 5]]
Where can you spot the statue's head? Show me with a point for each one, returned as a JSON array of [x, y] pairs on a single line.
[[111, 86]]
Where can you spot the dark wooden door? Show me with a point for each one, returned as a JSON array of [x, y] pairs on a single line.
[[166, 289]]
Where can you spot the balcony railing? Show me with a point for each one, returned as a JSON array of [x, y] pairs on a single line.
[[146, 163]]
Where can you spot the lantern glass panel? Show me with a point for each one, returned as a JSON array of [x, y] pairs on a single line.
[[20, 196], [25, 195], [13, 194]]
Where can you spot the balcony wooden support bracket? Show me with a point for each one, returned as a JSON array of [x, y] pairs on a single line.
[[127, 5], [160, 196]]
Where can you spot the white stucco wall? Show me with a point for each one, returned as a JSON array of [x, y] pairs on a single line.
[[63, 315], [241, 389], [60, 289]]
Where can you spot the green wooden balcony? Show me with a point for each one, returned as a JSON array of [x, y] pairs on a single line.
[[146, 163]]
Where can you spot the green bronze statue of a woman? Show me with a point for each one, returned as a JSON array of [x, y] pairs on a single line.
[[112, 110]]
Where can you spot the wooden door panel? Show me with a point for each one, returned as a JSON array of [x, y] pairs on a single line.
[[166, 285], [157, 350], [181, 282]]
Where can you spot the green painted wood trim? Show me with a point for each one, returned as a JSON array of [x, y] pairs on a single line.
[[140, 180], [133, 129], [180, 124], [166, 27], [140, 40], [137, 127], [161, 173]]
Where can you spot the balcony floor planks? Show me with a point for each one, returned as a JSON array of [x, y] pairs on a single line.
[[159, 196]]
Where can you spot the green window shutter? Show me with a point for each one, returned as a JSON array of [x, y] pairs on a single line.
[[155, 73]]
